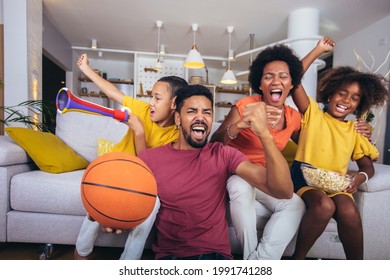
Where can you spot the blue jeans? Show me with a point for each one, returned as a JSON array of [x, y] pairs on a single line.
[[211, 256]]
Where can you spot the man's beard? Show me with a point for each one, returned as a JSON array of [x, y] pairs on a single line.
[[193, 143]]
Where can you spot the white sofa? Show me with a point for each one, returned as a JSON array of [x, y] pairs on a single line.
[[41, 207]]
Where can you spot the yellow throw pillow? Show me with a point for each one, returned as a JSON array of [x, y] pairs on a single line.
[[47, 151], [104, 146]]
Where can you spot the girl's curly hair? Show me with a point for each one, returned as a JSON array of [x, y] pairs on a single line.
[[374, 93], [275, 53]]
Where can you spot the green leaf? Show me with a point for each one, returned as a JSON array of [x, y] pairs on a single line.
[[15, 114]]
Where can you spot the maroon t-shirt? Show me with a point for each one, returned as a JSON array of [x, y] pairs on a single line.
[[192, 189]]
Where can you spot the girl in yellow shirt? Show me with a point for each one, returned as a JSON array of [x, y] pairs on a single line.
[[327, 140]]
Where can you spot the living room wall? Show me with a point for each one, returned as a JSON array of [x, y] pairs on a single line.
[[55, 46], [374, 39], [1, 66], [22, 50]]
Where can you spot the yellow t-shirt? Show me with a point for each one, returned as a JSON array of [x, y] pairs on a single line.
[[328, 143], [155, 135]]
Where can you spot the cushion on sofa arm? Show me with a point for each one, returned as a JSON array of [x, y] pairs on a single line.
[[11, 153], [47, 151], [379, 182], [81, 132]]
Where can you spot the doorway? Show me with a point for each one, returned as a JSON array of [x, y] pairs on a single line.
[[53, 79]]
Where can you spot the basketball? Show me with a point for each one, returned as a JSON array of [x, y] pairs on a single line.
[[118, 190]]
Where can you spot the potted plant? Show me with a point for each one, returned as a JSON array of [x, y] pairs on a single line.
[[15, 114]]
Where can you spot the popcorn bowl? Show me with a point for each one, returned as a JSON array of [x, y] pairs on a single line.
[[326, 180]]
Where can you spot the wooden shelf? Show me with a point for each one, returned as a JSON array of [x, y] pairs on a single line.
[[127, 82], [148, 69], [225, 90], [100, 95]]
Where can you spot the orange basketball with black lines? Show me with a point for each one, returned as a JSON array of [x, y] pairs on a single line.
[[118, 190]]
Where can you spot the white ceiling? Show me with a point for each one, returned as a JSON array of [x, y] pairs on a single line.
[[131, 25]]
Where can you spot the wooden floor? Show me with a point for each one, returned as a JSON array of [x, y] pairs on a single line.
[[27, 251]]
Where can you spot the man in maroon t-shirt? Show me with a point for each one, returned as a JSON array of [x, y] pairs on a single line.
[[191, 176]]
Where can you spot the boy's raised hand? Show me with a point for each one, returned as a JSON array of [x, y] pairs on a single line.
[[135, 124], [83, 62]]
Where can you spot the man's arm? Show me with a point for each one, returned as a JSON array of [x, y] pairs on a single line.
[[274, 180], [108, 88]]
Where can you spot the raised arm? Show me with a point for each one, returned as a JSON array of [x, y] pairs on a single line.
[[275, 179], [108, 88], [300, 97]]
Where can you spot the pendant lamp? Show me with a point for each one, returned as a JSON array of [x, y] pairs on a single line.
[[93, 44], [158, 66], [229, 78], [194, 59]]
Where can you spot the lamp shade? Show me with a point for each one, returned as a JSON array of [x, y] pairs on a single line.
[[229, 78], [194, 59], [158, 66]]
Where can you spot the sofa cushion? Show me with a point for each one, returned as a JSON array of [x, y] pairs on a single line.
[[43, 192], [11, 153], [47, 151], [379, 182], [81, 132]]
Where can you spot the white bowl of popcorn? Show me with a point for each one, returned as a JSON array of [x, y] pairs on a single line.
[[326, 180]]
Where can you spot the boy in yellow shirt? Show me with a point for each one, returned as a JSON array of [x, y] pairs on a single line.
[[151, 125]]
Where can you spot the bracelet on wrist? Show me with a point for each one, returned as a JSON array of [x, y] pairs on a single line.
[[228, 133], [365, 174]]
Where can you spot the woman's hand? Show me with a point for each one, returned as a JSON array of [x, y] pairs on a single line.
[[273, 115], [364, 128]]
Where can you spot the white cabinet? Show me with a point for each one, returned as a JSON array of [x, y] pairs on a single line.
[[145, 74], [224, 99]]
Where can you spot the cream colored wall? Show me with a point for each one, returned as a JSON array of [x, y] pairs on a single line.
[[22, 50]]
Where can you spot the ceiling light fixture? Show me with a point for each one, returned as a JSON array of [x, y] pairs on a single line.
[[94, 44], [194, 59], [162, 49], [158, 66], [229, 78]]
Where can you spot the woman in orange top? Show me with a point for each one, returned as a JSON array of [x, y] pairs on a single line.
[[274, 75]]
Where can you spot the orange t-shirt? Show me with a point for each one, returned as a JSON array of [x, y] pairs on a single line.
[[250, 145]]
